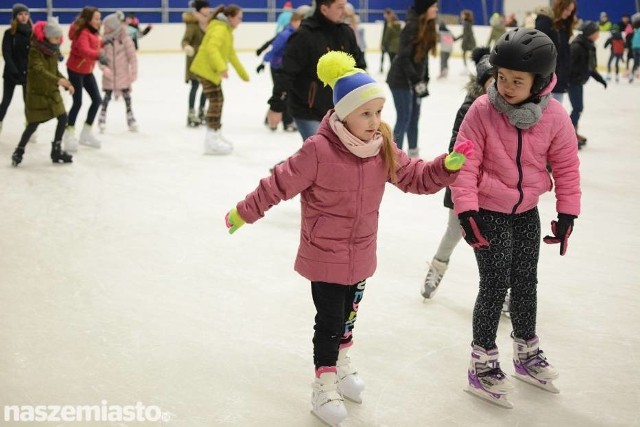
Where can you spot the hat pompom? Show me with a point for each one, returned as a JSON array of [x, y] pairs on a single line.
[[334, 65]]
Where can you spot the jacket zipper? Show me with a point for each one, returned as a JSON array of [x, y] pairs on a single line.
[[519, 166], [357, 219]]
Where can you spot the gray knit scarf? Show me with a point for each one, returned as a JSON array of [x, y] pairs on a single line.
[[521, 116]]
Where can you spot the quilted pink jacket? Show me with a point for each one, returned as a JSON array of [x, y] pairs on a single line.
[[508, 170], [340, 197], [123, 63]]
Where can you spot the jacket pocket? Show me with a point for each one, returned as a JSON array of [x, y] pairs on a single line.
[[311, 97]]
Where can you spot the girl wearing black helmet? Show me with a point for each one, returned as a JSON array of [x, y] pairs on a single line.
[[517, 127]]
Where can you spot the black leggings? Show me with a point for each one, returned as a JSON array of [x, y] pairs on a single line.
[[88, 83], [31, 128], [336, 311], [7, 95], [511, 261], [192, 95]]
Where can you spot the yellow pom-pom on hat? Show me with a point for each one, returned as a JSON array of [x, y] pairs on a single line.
[[351, 86]]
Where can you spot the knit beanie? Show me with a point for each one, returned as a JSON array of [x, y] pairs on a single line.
[[113, 22], [421, 6], [53, 28], [588, 28], [484, 69], [199, 4], [18, 8], [351, 86]]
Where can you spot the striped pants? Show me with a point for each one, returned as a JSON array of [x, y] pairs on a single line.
[[213, 92]]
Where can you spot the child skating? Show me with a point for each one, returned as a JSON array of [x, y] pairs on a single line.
[[516, 128], [43, 101], [340, 174]]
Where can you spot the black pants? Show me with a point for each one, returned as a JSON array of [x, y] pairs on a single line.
[[336, 312], [511, 261], [88, 83], [7, 95], [287, 119], [31, 128], [193, 93]]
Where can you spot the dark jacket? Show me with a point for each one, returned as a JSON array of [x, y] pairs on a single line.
[[560, 39], [15, 50], [583, 61], [193, 36], [297, 83], [474, 90], [43, 101], [468, 39], [405, 72]]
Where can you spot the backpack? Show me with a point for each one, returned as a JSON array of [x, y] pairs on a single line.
[[617, 46]]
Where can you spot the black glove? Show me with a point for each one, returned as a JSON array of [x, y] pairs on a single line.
[[260, 68], [561, 230], [103, 60], [473, 229], [420, 89], [147, 29]]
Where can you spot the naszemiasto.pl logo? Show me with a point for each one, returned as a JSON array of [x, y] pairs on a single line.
[[103, 412]]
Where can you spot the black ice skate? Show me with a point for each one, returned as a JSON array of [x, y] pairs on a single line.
[[192, 119], [59, 156], [16, 157]]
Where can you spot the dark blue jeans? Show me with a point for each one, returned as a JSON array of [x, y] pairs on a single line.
[[407, 114], [577, 103], [307, 128]]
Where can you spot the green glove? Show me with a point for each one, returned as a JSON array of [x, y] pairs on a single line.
[[454, 160], [233, 220]]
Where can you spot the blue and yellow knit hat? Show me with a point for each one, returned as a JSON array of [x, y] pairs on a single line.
[[351, 86]]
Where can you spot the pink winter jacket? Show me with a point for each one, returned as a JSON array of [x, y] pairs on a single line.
[[340, 197], [507, 172], [123, 63]]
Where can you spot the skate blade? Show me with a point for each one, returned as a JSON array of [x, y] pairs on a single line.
[[546, 386], [315, 414], [501, 401]]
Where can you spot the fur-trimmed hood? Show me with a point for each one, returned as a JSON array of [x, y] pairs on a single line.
[[544, 11]]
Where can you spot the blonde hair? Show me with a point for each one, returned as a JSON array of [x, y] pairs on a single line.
[[389, 151]]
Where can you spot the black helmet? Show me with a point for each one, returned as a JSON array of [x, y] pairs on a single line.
[[526, 50]]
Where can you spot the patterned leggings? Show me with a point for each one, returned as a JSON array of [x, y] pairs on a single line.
[[511, 261], [126, 94], [336, 312], [213, 92]]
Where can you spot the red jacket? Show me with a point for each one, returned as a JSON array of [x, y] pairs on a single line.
[[85, 50], [340, 195]]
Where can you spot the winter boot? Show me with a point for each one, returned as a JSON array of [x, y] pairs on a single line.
[[192, 119], [131, 122], [350, 384], [434, 276], [102, 121], [87, 138], [326, 402], [486, 379], [59, 156], [214, 145], [69, 139], [531, 364], [16, 157]]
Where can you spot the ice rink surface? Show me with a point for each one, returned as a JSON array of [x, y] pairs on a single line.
[[119, 282]]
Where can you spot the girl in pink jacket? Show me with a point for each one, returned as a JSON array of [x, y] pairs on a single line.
[[340, 174], [122, 70], [516, 129]]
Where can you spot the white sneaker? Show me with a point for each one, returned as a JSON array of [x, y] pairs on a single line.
[[434, 276], [350, 384], [214, 144], [87, 138], [69, 140], [327, 403]]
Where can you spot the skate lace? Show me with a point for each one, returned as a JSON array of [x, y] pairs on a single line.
[[433, 277], [496, 373], [538, 359]]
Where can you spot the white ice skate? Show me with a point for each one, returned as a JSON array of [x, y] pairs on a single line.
[[87, 138], [327, 403], [131, 122], [434, 276], [102, 121], [350, 384], [486, 379], [69, 140], [214, 143], [531, 365]]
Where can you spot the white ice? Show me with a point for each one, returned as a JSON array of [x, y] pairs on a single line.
[[119, 282]]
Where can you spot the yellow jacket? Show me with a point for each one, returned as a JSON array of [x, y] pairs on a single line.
[[216, 51]]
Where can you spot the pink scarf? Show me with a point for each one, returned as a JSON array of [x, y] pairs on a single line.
[[354, 144]]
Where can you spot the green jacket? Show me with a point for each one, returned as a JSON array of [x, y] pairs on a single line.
[[43, 100], [216, 51], [193, 36]]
